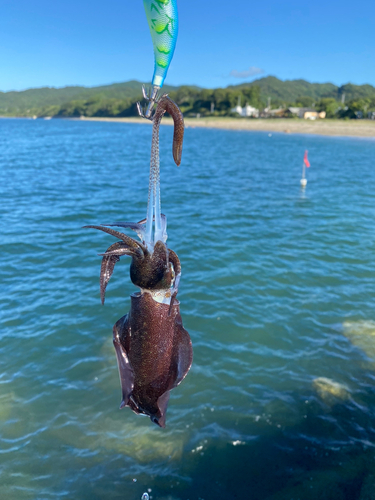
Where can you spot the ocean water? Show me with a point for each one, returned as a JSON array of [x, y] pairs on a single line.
[[277, 294]]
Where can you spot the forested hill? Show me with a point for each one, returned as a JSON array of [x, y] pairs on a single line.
[[19, 102], [119, 99], [291, 90]]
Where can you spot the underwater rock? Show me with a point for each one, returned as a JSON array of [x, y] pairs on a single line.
[[7, 401], [139, 442], [132, 439], [361, 334], [330, 391]]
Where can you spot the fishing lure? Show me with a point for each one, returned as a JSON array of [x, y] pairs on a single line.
[[154, 351], [162, 17]]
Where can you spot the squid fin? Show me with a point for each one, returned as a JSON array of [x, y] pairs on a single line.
[[126, 372], [184, 356], [162, 405]]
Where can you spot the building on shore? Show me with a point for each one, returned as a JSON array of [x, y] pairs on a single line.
[[281, 112], [248, 111], [306, 113], [274, 113], [303, 113]]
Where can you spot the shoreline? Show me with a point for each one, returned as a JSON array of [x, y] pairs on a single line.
[[333, 128], [336, 128], [326, 127]]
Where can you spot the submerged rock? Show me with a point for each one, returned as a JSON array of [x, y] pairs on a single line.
[[330, 391], [7, 401], [133, 440], [139, 441], [361, 334]]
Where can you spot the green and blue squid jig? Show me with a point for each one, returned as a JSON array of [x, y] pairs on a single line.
[[162, 17]]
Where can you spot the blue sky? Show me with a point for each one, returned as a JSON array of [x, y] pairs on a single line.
[[44, 43]]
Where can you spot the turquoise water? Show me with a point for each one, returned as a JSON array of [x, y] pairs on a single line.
[[277, 294]]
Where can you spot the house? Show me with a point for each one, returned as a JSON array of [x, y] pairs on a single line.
[[246, 111], [307, 113], [274, 113], [277, 113]]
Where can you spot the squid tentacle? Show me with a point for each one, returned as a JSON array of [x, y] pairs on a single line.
[[173, 258], [134, 226], [138, 247], [110, 258]]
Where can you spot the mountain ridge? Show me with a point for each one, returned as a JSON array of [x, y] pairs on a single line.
[[118, 99]]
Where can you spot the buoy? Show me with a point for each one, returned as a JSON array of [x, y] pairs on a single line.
[[305, 163]]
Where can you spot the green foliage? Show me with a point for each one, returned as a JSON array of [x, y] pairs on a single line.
[[329, 105], [120, 99], [193, 101], [26, 101], [287, 92], [357, 108], [305, 101], [95, 106], [356, 92]]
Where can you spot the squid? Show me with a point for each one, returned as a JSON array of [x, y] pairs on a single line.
[[153, 349]]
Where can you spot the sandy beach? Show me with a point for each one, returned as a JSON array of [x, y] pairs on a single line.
[[344, 128]]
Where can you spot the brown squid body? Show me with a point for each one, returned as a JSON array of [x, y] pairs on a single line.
[[154, 354]]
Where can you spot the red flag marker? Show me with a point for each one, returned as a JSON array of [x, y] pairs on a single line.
[[307, 163]]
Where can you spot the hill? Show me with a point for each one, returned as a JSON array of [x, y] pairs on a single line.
[[17, 103], [290, 91], [119, 99]]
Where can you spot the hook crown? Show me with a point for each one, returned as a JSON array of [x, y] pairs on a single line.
[[152, 97]]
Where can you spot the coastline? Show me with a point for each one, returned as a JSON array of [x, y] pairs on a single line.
[[338, 128]]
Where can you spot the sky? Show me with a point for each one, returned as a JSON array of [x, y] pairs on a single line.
[[220, 43]]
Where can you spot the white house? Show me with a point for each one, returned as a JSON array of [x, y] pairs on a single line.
[[246, 111]]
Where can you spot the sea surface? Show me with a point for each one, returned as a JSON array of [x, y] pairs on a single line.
[[277, 293]]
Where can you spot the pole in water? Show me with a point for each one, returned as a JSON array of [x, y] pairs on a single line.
[[303, 179]]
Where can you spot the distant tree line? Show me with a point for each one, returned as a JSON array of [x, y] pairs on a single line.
[[207, 102], [192, 101], [355, 108], [119, 100], [215, 102]]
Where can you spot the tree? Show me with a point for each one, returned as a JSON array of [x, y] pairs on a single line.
[[329, 105], [305, 101]]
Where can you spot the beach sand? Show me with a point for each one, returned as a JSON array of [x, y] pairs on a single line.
[[344, 128]]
